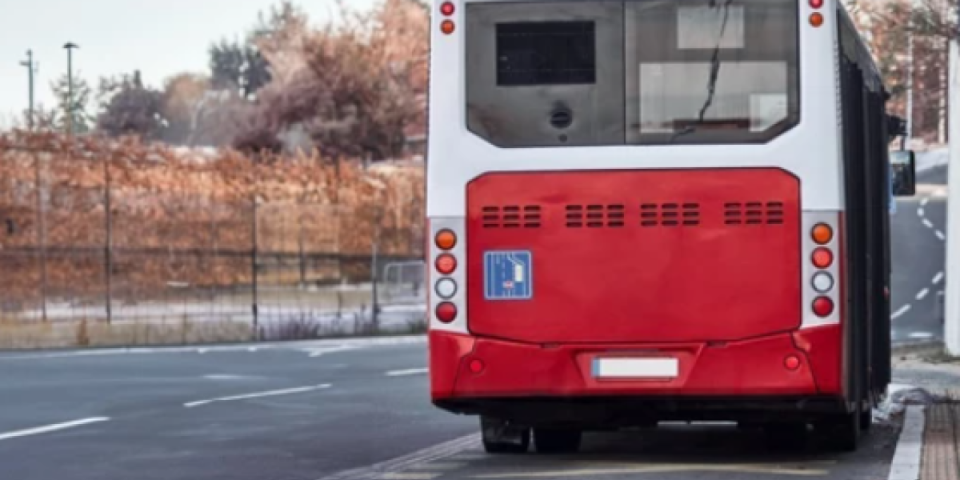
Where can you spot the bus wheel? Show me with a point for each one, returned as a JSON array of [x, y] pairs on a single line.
[[866, 419], [786, 435], [501, 437], [552, 440], [840, 432]]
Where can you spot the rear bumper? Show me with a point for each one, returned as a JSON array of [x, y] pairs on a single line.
[[749, 369]]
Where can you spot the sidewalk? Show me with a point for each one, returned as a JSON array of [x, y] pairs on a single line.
[[937, 397]]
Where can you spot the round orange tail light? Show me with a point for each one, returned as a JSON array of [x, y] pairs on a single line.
[[446, 239], [447, 27], [822, 258], [822, 233], [816, 19], [446, 264]]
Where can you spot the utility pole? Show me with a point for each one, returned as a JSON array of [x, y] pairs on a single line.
[[69, 46], [951, 327], [31, 69]]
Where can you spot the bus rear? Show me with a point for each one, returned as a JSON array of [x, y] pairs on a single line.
[[635, 212]]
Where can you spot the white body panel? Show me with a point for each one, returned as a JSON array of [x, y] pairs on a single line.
[[811, 150]]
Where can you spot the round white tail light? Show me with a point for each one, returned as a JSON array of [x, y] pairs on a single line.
[[822, 282], [446, 288]]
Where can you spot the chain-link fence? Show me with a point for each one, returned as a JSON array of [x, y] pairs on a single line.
[[196, 248]]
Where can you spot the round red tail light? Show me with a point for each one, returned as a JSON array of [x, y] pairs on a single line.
[[446, 312], [448, 8], [816, 3], [823, 306], [822, 258], [446, 264]]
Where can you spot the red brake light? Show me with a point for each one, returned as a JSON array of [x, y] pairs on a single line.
[[448, 8], [816, 3], [446, 264], [822, 258], [823, 306], [446, 312], [791, 362]]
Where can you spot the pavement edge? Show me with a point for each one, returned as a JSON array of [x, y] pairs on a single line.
[[908, 455]]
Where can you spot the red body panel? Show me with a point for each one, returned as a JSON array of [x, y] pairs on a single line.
[[824, 348], [641, 256], [516, 370]]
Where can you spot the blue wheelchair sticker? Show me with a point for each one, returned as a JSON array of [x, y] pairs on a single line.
[[508, 275]]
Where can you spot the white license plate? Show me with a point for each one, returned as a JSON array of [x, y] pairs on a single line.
[[636, 368]]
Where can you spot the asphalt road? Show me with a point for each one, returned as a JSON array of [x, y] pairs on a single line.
[[323, 411], [918, 231]]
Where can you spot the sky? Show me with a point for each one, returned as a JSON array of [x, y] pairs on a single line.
[[158, 37]]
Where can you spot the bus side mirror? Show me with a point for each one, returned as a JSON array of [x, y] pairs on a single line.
[[903, 164]]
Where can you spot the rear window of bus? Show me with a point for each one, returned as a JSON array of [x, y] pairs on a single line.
[[634, 72]]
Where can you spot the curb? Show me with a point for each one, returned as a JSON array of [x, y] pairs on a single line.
[[906, 460]]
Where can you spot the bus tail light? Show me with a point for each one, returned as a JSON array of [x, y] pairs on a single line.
[[823, 306], [446, 312], [448, 8], [446, 274], [822, 267], [816, 19], [446, 264], [822, 258], [447, 27]]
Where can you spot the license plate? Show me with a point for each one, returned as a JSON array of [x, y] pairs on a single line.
[[636, 368]]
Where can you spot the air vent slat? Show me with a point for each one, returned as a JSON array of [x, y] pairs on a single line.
[[511, 216]]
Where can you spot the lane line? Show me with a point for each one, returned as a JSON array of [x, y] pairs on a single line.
[[923, 293], [921, 335], [410, 371], [927, 223], [920, 211], [900, 312], [271, 393], [925, 201], [51, 428], [938, 278], [941, 236]]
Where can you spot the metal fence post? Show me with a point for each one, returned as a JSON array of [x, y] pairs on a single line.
[[41, 235], [108, 247], [253, 269]]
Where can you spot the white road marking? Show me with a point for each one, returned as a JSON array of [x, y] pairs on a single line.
[[925, 201], [927, 223], [247, 396], [940, 235], [920, 211], [921, 335], [411, 371], [409, 461], [922, 293], [900, 312], [331, 349], [51, 428], [938, 278], [218, 376]]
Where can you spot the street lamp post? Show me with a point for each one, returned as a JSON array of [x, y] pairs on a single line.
[[31, 69], [69, 46]]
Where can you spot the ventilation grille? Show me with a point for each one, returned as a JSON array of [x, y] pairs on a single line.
[[670, 214], [753, 213], [595, 216], [511, 216]]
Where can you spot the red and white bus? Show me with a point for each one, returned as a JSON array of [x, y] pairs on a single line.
[[657, 210]]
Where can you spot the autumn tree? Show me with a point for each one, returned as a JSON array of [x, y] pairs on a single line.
[[131, 108], [75, 104], [353, 87]]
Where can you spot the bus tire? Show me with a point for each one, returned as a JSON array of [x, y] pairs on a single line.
[[866, 419], [553, 440], [785, 435], [841, 432], [500, 437]]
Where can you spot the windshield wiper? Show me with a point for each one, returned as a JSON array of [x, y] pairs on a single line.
[[714, 74]]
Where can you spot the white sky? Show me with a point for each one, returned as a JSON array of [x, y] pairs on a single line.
[[159, 37]]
